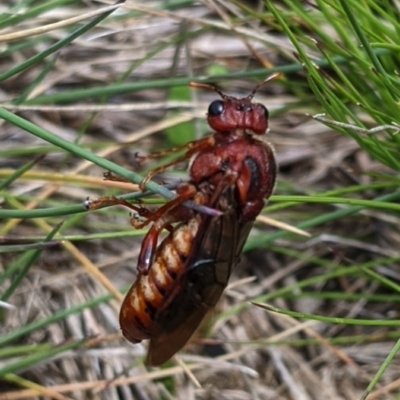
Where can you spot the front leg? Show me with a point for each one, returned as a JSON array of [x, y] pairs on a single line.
[[192, 148]]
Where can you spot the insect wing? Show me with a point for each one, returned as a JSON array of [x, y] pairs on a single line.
[[185, 317], [216, 251]]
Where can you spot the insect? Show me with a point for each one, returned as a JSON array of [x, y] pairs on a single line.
[[181, 279]]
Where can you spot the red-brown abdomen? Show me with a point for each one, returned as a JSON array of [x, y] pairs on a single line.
[[150, 292]]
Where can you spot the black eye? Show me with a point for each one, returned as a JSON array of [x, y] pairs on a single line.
[[264, 111], [216, 108]]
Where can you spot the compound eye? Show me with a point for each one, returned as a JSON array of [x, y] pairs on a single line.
[[216, 108], [264, 111]]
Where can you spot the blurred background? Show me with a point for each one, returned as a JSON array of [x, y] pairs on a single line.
[[112, 82]]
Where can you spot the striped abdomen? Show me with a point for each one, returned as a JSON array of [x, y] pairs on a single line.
[[150, 293]]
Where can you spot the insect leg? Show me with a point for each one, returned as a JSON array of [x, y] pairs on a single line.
[[192, 148], [111, 201], [169, 213], [109, 176]]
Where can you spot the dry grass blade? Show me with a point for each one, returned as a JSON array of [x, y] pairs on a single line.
[[28, 33]]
